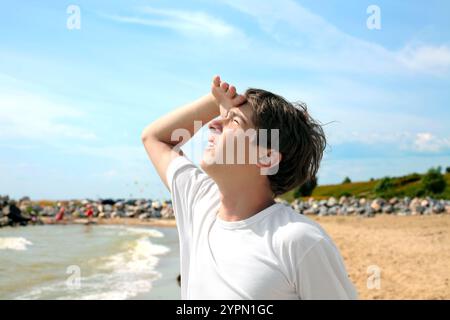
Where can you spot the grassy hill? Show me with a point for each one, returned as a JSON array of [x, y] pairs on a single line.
[[407, 185]]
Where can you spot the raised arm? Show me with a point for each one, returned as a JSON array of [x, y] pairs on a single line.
[[157, 136]]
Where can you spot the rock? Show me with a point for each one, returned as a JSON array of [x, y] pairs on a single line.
[[393, 201], [143, 216], [167, 212], [278, 200], [343, 200], [107, 202], [362, 202], [331, 202], [156, 214], [361, 210], [76, 213], [438, 208], [417, 210], [413, 204], [388, 209], [376, 205], [130, 214], [323, 211], [14, 214], [102, 215], [156, 205], [333, 211], [342, 211], [406, 201], [49, 211]]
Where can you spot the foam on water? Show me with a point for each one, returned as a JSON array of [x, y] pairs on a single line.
[[138, 231], [14, 243], [122, 275]]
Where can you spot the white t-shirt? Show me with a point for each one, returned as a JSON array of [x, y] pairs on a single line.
[[275, 254]]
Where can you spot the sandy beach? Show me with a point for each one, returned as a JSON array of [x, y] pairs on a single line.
[[411, 252]]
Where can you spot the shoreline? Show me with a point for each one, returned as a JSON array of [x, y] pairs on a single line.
[[171, 223], [165, 223]]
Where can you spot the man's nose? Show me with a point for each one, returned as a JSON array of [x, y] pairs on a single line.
[[216, 124]]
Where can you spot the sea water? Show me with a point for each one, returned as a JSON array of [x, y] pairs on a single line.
[[88, 262]]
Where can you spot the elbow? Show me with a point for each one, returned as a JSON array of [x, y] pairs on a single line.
[[146, 134]]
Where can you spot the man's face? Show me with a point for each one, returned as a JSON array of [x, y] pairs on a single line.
[[231, 140]]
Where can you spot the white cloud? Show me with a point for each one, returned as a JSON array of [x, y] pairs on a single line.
[[124, 154], [319, 45], [418, 142], [34, 117], [191, 23], [426, 58], [427, 142]]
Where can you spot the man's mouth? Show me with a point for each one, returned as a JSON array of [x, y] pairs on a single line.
[[210, 145]]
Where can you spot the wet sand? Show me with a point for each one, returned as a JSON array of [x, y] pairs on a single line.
[[117, 221]]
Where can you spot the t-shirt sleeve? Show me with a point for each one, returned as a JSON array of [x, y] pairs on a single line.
[[185, 181], [322, 275]]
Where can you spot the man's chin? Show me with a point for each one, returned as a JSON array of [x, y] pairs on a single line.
[[207, 162]]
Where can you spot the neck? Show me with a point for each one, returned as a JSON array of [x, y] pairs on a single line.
[[241, 200]]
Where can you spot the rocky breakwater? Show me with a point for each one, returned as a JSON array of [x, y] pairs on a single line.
[[371, 207], [25, 211]]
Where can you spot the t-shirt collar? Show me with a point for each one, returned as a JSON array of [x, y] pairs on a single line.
[[246, 222]]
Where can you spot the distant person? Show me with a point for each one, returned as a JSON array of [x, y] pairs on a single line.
[[236, 242], [89, 213], [60, 214]]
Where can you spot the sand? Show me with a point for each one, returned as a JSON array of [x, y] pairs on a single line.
[[412, 253]]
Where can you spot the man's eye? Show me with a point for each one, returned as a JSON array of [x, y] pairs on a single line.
[[236, 121]]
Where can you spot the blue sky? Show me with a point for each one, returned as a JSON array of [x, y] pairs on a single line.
[[73, 103]]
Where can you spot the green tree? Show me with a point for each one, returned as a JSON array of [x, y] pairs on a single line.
[[346, 180], [433, 182], [306, 189], [383, 186], [447, 170]]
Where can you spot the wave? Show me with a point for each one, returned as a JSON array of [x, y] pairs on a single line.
[[14, 243], [117, 277], [135, 230]]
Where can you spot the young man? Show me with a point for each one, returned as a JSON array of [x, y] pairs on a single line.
[[236, 242]]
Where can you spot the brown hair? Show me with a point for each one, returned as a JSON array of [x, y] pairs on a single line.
[[301, 138]]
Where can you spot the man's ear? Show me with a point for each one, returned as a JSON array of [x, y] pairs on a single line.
[[270, 162]]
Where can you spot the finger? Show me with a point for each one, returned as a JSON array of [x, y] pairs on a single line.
[[224, 86], [231, 92], [216, 80], [239, 100]]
